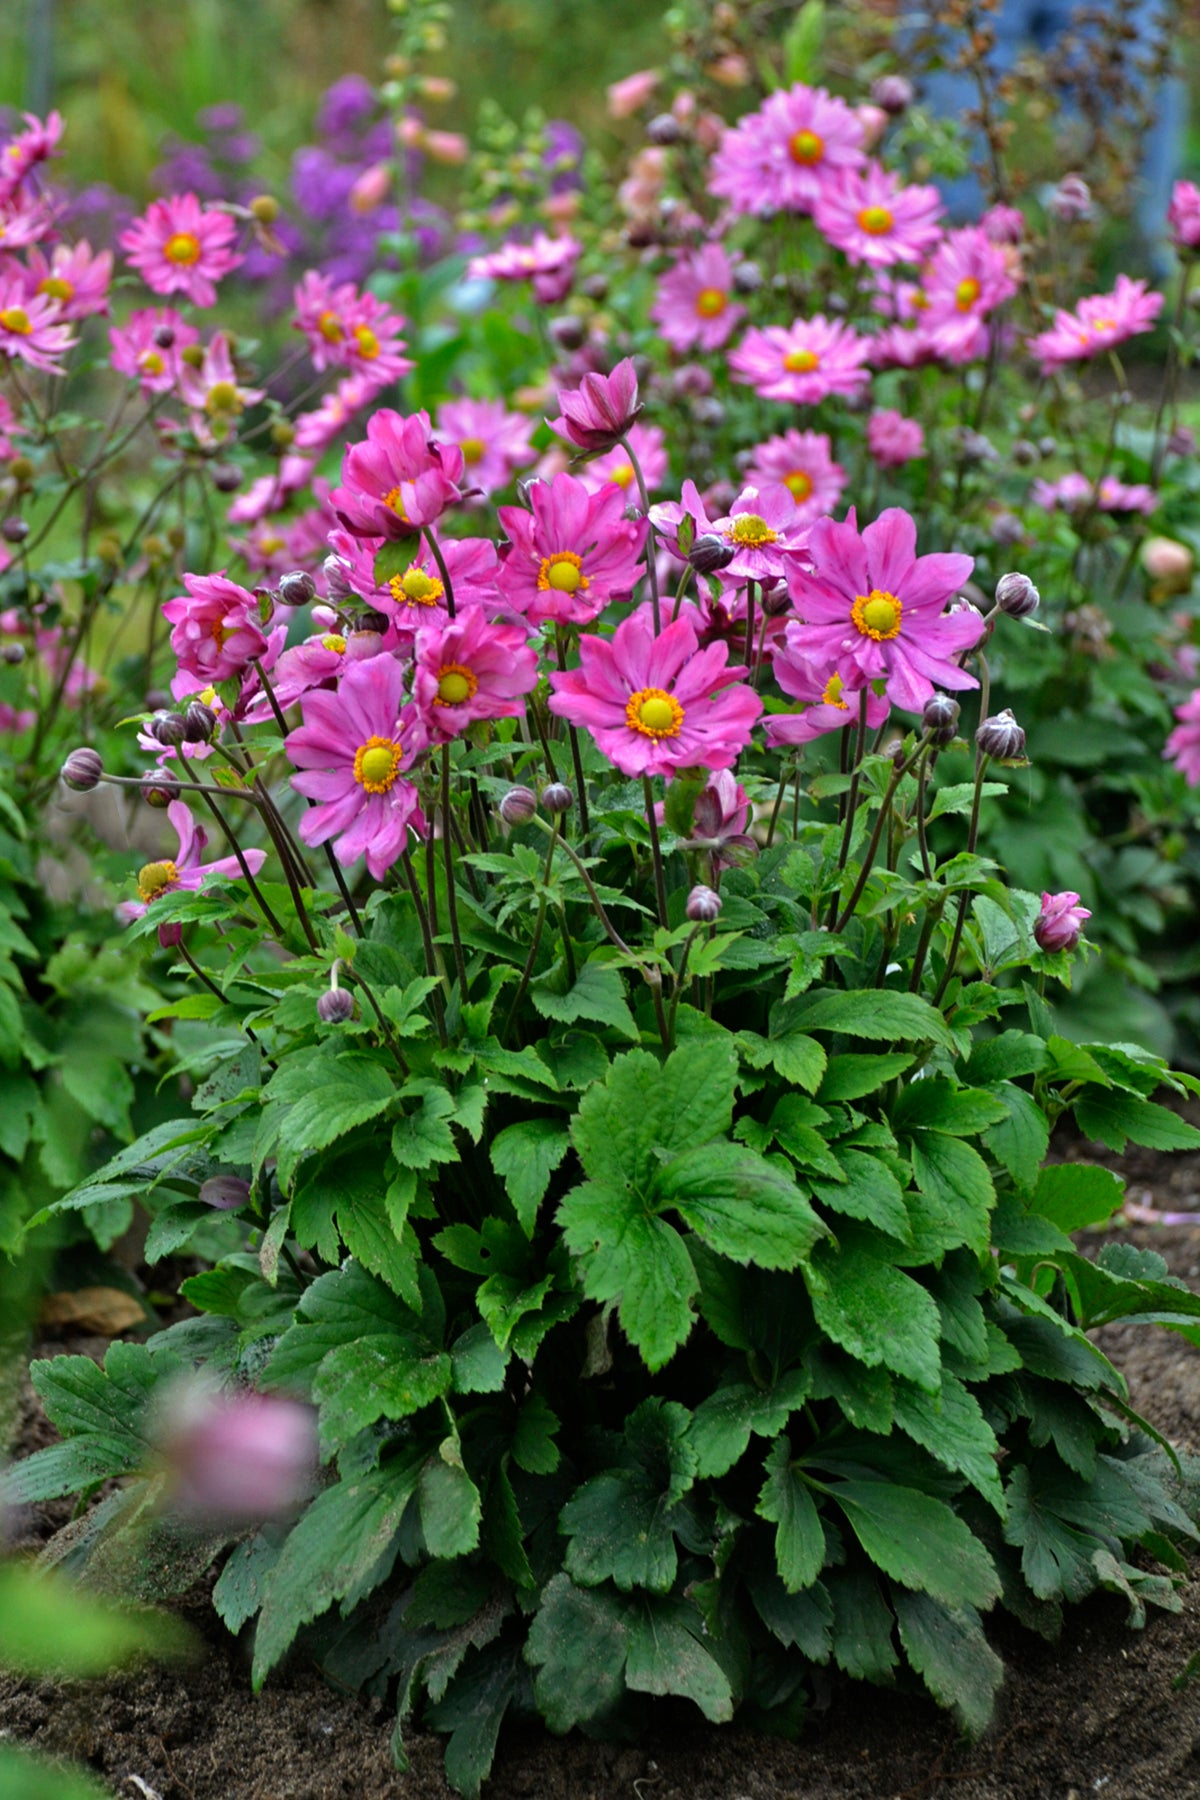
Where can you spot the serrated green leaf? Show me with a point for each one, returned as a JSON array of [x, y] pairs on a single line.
[[238, 1593], [850, 1077], [666, 1655], [953, 1177], [722, 1425], [948, 1650], [1076, 1195], [1021, 1140], [525, 1156], [577, 1645], [877, 1013], [450, 1504], [598, 995], [533, 1446], [639, 1260], [786, 1501], [743, 1206], [869, 1192], [936, 1105], [875, 1311], [862, 1626], [951, 1426], [919, 1542], [1114, 1118], [422, 1137]]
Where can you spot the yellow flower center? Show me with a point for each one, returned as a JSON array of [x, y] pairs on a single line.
[[15, 318], [832, 693], [876, 221], [622, 474], [376, 764], [151, 363], [563, 572], [55, 288], [711, 302], [751, 532], [799, 482], [456, 683], [270, 542], [222, 397], [654, 712], [330, 328], [218, 633], [368, 343], [415, 588], [801, 362], [182, 247], [966, 294], [877, 614], [155, 879], [392, 499], [472, 449], [806, 148], [333, 640]]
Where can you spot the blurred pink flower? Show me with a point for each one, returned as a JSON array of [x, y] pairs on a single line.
[[783, 157], [874, 218], [649, 445], [631, 93], [234, 1455], [181, 247], [694, 309], [893, 440], [1183, 215], [32, 328], [26, 149], [216, 631], [214, 393], [136, 352], [75, 278], [804, 362], [494, 441], [346, 329], [1183, 746], [801, 461], [1098, 323], [966, 279], [549, 262]]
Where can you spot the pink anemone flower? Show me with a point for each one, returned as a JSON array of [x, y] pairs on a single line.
[[181, 247], [1183, 746], [75, 277], [470, 669], [346, 329], [801, 461], [26, 149], [216, 632], [1098, 323], [874, 610], [494, 442], [571, 553], [968, 277], [324, 425], [783, 157], [823, 694], [399, 480], [763, 528], [549, 262], [32, 328], [135, 349], [804, 362], [214, 394], [874, 218], [183, 872], [649, 445], [352, 752], [894, 440], [658, 704], [694, 309], [597, 414]]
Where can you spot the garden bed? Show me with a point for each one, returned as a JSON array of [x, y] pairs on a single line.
[[1097, 1713]]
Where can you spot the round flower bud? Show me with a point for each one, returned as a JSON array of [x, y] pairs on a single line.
[[1047, 446], [703, 905], [557, 798], [282, 434], [169, 728], [335, 1006], [939, 721], [192, 355], [297, 588], [518, 806], [224, 1192], [158, 791], [336, 573], [164, 337], [1017, 596], [1168, 563], [1007, 530], [775, 599], [1060, 922], [374, 621], [710, 554], [265, 208], [568, 332], [199, 723], [1024, 453], [177, 537], [226, 477], [82, 770], [595, 287], [1001, 737], [1071, 200], [12, 654], [664, 128], [894, 93], [21, 470], [14, 530], [1182, 441]]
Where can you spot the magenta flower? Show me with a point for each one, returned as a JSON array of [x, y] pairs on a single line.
[[468, 669], [24, 220], [649, 445], [74, 278], [694, 309], [1183, 746], [630, 94], [801, 461], [1060, 922], [874, 218], [216, 629], [183, 872], [782, 158], [893, 440], [494, 442], [1098, 323], [657, 704], [1003, 224], [32, 328], [347, 329], [1183, 215], [597, 414], [416, 596], [399, 480], [314, 663], [325, 424], [720, 819], [352, 751], [136, 352], [181, 247], [1074, 493], [549, 262], [214, 393], [874, 610], [1121, 496], [967, 278], [803, 362], [26, 149], [822, 692], [571, 554], [236, 1457]]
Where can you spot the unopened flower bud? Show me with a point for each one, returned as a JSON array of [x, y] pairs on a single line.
[[199, 723], [664, 128], [1001, 737], [1071, 200], [1182, 441], [82, 770], [108, 549], [568, 332], [164, 337], [1168, 563], [265, 208], [1060, 922], [12, 654], [226, 477], [518, 806], [939, 721], [595, 287], [297, 588], [224, 1192], [710, 554], [21, 470], [169, 728], [282, 434], [14, 530], [177, 536], [337, 582], [708, 413], [1047, 446], [776, 601], [1024, 453], [371, 620], [1017, 596], [703, 905], [159, 791], [1007, 530], [894, 93], [557, 798], [335, 1006]]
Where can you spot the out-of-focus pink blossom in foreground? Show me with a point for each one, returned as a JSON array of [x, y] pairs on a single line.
[[1183, 746], [233, 1454]]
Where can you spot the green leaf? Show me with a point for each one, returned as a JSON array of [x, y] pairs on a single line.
[[449, 1502], [393, 558], [743, 1206], [935, 1105], [1114, 1118], [525, 1156], [948, 1649], [869, 1192], [667, 1655], [345, 1545], [598, 994], [1076, 1195], [646, 1108], [533, 1447], [577, 1644], [722, 1425], [368, 1232], [472, 1711], [951, 1426], [238, 1593], [851, 1077], [639, 1260], [804, 1620], [1004, 1057], [1020, 1142], [325, 1098], [954, 1179], [875, 1311], [802, 44], [423, 1137], [48, 1625], [786, 1502], [1056, 1560], [919, 1542], [877, 1013], [862, 1626], [621, 1524]]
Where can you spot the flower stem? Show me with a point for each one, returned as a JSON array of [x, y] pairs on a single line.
[[431, 965], [443, 571], [243, 865], [660, 884], [536, 939], [448, 859], [651, 563]]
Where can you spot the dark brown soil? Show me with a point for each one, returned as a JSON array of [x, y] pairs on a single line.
[[1095, 1714]]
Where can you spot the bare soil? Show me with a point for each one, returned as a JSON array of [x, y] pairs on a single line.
[[1097, 1713]]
